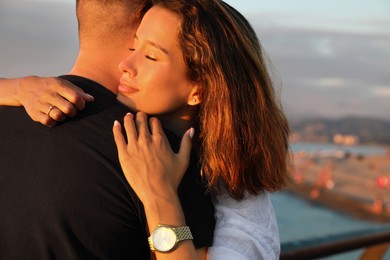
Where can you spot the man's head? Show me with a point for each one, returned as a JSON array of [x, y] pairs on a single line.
[[106, 32], [108, 20]]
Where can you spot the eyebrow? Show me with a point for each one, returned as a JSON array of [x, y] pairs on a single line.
[[158, 46]]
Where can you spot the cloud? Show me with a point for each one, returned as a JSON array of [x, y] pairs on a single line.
[[330, 73], [328, 82], [381, 91], [319, 19]]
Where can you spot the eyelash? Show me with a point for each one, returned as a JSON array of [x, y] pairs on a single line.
[[146, 56], [150, 58]]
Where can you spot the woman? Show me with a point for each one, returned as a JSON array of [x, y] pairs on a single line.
[[198, 65], [218, 91]]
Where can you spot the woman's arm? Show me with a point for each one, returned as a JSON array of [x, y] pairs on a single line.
[[46, 100], [154, 172], [8, 92]]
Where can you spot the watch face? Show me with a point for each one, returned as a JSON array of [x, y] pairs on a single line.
[[164, 239]]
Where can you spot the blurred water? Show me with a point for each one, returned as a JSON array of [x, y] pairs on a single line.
[[300, 219], [356, 149]]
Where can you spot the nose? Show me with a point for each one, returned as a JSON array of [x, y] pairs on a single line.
[[127, 65]]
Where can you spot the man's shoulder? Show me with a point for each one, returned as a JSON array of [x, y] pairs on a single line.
[[91, 127], [89, 86], [105, 107]]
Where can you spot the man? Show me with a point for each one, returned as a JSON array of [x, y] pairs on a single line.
[[62, 193]]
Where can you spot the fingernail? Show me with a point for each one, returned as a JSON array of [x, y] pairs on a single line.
[[191, 132], [116, 123], [90, 96], [129, 114]]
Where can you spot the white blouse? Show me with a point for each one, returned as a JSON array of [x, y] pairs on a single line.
[[245, 229]]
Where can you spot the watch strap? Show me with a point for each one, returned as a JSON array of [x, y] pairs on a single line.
[[183, 233]]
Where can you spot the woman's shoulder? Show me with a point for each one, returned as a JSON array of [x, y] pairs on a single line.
[[256, 208], [251, 221]]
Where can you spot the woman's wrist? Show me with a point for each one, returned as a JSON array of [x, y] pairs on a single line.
[[20, 87], [164, 210], [9, 92], [167, 211]]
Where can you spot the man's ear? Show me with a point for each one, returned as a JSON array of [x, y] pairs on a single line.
[[194, 99]]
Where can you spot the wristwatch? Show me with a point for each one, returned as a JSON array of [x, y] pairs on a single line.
[[165, 238]]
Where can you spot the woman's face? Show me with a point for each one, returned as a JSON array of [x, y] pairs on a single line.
[[154, 78]]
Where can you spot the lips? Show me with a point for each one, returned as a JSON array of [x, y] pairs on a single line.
[[125, 88]]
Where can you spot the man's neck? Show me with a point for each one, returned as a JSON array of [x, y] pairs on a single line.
[[99, 68]]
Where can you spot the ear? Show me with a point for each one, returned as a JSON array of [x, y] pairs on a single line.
[[193, 98]]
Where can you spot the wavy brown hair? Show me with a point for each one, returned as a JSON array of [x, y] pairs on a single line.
[[242, 128]]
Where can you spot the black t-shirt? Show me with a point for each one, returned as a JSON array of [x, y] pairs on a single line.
[[64, 196]]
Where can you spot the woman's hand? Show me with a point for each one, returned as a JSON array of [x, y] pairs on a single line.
[[154, 172], [50, 100], [148, 162]]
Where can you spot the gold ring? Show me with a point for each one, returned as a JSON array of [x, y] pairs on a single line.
[[50, 108]]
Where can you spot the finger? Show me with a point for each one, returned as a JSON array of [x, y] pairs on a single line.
[[185, 148], [73, 94], [142, 125], [56, 114], [130, 128], [45, 120], [63, 105], [155, 127], [157, 133], [73, 97], [87, 97], [119, 138]]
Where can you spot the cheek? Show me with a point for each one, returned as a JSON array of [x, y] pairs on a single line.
[[163, 88], [151, 77]]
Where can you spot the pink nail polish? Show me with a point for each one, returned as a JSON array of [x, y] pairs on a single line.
[[192, 132]]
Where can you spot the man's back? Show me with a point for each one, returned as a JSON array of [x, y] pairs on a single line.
[[63, 195]]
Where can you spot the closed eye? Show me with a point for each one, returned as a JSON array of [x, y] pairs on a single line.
[[150, 58]]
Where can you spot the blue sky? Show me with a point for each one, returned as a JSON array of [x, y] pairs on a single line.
[[357, 16], [330, 58]]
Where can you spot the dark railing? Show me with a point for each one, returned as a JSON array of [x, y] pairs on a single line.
[[375, 242]]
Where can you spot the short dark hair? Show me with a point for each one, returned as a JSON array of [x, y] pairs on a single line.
[[109, 17]]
